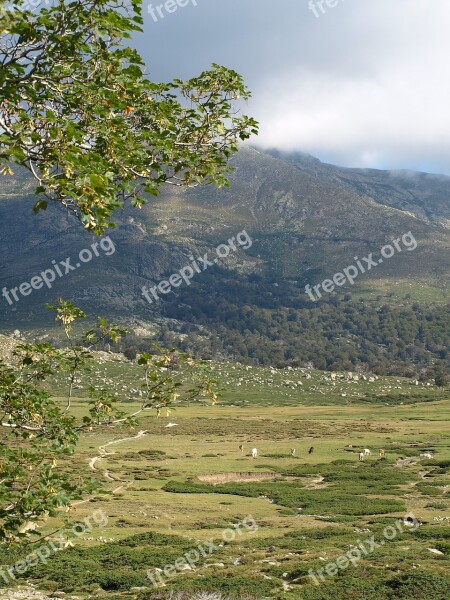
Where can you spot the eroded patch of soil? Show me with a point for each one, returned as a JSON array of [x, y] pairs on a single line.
[[243, 477]]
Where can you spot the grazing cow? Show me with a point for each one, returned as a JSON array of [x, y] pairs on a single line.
[[426, 455], [382, 453], [241, 448], [292, 451], [254, 452], [367, 452], [361, 456], [311, 450]]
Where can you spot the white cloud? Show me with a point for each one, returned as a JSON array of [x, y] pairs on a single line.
[[366, 84], [396, 113]]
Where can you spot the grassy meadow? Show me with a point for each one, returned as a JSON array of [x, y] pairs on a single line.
[[172, 488]]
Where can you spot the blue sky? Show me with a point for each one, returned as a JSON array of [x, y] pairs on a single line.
[[364, 83]]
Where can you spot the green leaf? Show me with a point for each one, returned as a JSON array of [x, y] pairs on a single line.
[[40, 205]]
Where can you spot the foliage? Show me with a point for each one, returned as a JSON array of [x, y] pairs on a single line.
[[417, 586], [79, 112], [370, 478], [254, 322], [182, 595], [113, 566], [441, 379], [328, 501], [37, 430], [237, 588]]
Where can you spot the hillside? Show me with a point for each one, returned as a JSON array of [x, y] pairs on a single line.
[[307, 221], [423, 195]]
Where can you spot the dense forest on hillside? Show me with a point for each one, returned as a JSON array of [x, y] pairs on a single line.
[[245, 319]]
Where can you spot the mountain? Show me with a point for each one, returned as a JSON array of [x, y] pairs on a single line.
[[307, 221], [423, 195]]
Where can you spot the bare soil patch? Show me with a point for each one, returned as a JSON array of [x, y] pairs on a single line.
[[216, 478]]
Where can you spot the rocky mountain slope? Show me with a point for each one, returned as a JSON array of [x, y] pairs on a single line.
[[307, 221]]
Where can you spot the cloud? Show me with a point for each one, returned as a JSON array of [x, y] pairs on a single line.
[[366, 84]]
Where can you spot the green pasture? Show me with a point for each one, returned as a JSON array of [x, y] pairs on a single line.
[[175, 487]]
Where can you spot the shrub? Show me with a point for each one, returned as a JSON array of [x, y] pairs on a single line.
[[420, 586]]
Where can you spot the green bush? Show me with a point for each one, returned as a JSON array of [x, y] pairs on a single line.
[[120, 581], [420, 586], [114, 566], [230, 585], [326, 501]]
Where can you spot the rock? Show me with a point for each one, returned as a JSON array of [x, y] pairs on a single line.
[[28, 593], [434, 551]]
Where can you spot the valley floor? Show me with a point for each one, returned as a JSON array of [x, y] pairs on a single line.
[[277, 519]]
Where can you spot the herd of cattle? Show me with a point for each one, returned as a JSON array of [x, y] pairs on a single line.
[[254, 451], [361, 455]]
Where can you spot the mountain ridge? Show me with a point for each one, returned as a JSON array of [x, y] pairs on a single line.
[[301, 225]]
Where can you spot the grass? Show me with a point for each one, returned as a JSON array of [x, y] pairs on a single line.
[[314, 509]]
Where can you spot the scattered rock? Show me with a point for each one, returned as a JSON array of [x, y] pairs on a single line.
[[28, 593]]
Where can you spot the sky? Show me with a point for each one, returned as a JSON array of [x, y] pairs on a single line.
[[363, 83]]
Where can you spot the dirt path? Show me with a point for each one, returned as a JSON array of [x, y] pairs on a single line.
[[127, 439], [92, 463], [107, 475], [317, 483], [422, 475], [102, 453]]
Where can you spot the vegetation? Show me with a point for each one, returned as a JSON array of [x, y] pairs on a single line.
[[61, 405], [315, 507], [250, 322], [79, 113], [37, 431], [128, 136], [441, 379]]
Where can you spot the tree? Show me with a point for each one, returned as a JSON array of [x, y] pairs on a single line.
[[131, 352], [78, 111], [441, 379], [37, 432]]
